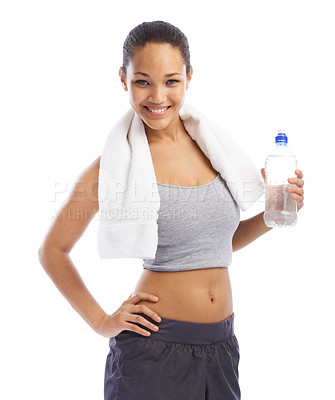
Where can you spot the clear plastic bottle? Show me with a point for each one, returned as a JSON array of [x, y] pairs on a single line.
[[280, 164]]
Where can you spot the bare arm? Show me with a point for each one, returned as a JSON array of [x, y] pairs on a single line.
[[249, 230], [71, 222]]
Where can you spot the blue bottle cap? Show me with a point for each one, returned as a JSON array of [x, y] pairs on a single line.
[[281, 138]]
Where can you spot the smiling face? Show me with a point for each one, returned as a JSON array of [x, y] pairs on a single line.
[[156, 79]]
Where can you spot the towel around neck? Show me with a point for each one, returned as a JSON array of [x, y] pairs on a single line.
[[128, 194]]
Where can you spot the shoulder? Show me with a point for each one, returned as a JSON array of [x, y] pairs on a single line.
[[86, 186], [93, 167], [90, 173]]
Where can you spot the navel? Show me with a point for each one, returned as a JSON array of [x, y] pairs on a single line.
[[211, 296]]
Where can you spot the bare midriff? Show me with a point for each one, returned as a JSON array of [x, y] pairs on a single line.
[[201, 295]]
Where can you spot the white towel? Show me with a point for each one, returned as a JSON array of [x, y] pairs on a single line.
[[128, 194]]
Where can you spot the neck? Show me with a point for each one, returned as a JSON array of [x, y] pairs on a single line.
[[169, 135]]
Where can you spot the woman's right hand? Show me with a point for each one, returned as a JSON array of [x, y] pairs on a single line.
[[112, 324]]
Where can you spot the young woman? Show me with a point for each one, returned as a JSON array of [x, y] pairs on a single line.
[[180, 345]]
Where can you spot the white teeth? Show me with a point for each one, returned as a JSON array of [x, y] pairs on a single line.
[[158, 111]]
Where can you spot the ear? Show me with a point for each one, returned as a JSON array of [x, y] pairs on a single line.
[[189, 77], [123, 79]]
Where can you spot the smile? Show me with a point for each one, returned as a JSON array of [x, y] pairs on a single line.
[[159, 111]]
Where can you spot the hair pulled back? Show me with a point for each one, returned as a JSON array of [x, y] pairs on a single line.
[[155, 32]]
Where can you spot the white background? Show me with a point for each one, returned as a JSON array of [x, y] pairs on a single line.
[[258, 66]]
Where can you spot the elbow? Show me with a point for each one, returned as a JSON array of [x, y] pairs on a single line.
[[40, 254], [234, 245]]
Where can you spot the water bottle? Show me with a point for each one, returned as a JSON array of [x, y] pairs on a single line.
[[280, 164]]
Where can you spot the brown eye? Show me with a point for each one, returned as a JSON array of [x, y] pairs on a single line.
[[140, 82]]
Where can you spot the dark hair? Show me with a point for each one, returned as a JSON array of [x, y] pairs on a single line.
[[155, 32]]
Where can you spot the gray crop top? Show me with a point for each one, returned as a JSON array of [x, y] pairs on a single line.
[[196, 225]]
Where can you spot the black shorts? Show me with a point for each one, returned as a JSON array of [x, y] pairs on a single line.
[[181, 361]]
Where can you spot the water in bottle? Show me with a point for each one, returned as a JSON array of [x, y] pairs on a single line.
[[280, 164]]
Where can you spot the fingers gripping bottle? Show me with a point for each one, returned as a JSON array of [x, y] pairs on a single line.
[[280, 164]]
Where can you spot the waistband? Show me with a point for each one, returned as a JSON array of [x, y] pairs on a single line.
[[176, 331]]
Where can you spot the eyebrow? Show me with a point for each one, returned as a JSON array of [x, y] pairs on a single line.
[[167, 75]]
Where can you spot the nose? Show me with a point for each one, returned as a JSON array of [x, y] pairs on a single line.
[[157, 95]]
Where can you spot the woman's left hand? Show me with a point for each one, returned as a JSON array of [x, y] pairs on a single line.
[[297, 190]]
